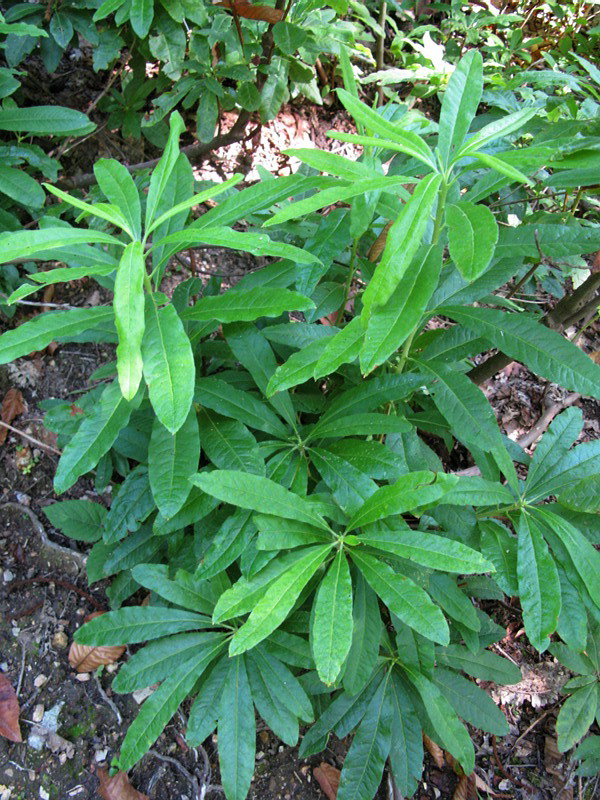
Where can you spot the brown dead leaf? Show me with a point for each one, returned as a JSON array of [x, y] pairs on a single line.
[[328, 778], [595, 356], [250, 11], [435, 751], [12, 405], [117, 787], [465, 789], [9, 711], [86, 657], [23, 459]]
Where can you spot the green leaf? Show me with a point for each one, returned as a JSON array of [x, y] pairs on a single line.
[[504, 168], [427, 549], [475, 491], [499, 546], [370, 458], [349, 485], [159, 659], [333, 163], [203, 715], [220, 396], [78, 519], [230, 541], [389, 325], [406, 751], [201, 197], [116, 183], [297, 369], [45, 120], [359, 425], [38, 332], [169, 367], [366, 633], [60, 275], [129, 318], [248, 305], [373, 394], [403, 597], [485, 665], [185, 590], [103, 211], [284, 687], [496, 130], [551, 449], [228, 443], [583, 554], [544, 351], [365, 760], [403, 140], [343, 348], [459, 106], [26, 244], [276, 533], [277, 602], [472, 237], [470, 702], [450, 732], [21, 187], [95, 436], [583, 496], [172, 460], [143, 11], [331, 623], [137, 624], [453, 601], [410, 491], [162, 704], [141, 14], [403, 241], [539, 587], [464, 405], [236, 732], [335, 194], [258, 494], [576, 716]]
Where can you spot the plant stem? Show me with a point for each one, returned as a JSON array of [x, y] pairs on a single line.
[[348, 283]]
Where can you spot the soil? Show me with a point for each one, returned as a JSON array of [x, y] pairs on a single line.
[[44, 596]]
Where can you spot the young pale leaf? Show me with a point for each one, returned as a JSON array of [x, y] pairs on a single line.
[[169, 367], [236, 732], [405, 141], [104, 211], [496, 130], [95, 436], [26, 244], [389, 325], [129, 318], [459, 105], [331, 628], [137, 624], [427, 549], [472, 237], [410, 491], [539, 586], [117, 184], [404, 598], [544, 351], [207, 194], [365, 761], [172, 460], [60, 275], [464, 405], [165, 166], [248, 305], [403, 241], [258, 494], [162, 705], [278, 601], [37, 333]]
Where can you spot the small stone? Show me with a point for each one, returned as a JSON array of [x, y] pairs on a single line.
[[110, 668], [62, 757], [60, 640], [38, 713], [101, 755], [7, 576], [260, 755], [142, 694], [4, 666], [83, 677], [44, 794], [9, 772], [31, 774], [40, 681]]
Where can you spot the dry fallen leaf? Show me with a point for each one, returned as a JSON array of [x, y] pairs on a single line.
[[12, 405], [435, 751], [87, 658], [249, 11], [9, 711], [328, 778], [465, 789], [117, 787]]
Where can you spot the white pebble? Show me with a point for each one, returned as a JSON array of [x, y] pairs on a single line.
[[40, 681]]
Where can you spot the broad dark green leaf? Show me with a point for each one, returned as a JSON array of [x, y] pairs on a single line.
[[485, 665], [470, 702], [237, 732], [229, 444], [259, 494], [276, 533], [78, 519], [169, 367], [184, 590], [499, 546], [94, 438], [373, 394], [403, 597], [248, 305], [172, 460], [343, 348], [359, 425], [551, 449], [331, 622], [25, 244], [406, 750], [539, 587], [230, 541], [203, 715], [576, 716], [132, 505], [544, 351], [137, 624], [220, 396], [366, 633], [299, 368], [349, 485]]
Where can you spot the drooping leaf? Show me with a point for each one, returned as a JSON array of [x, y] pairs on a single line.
[[229, 444], [117, 184], [248, 305], [236, 732]]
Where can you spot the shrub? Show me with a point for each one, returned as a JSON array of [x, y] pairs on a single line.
[[307, 551]]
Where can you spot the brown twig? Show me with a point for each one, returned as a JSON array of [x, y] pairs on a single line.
[[541, 425], [31, 439], [59, 582], [504, 771]]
